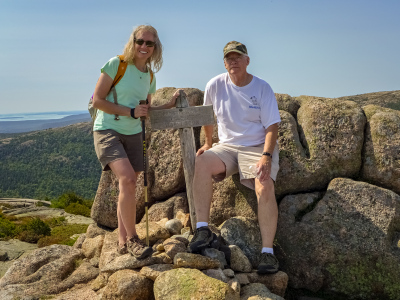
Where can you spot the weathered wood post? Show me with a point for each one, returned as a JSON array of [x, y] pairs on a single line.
[[184, 118]]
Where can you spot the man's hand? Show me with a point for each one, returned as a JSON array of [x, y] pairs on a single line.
[[264, 165], [202, 149]]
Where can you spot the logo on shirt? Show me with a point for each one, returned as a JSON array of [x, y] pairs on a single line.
[[255, 103]]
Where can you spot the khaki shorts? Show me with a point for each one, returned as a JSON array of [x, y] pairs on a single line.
[[240, 158], [111, 146]]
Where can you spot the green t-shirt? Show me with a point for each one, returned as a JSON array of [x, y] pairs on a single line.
[[133, 87]]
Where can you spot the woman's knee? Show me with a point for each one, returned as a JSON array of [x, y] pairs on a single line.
[[127, 182]]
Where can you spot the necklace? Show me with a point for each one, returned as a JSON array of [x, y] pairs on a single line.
[[143, 70]]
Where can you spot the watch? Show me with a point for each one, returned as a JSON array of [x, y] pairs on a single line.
[[267, 154]]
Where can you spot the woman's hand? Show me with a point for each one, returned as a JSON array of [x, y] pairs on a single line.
[[264, 167], [141, 110]]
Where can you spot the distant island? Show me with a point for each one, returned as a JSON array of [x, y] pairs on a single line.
[[35, 125]]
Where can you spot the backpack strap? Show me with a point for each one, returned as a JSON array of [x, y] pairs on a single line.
[[121, 70], [120, 73], [151, 75]]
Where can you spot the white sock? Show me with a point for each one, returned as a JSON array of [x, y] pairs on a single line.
[[267, 250], [201, 224]]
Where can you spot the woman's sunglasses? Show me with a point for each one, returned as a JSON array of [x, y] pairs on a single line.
[[148, 43]]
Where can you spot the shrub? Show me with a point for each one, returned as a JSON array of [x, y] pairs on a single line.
[[78, 209], [88, 203], [7, 228], [66, 199], [56, 221], [33, 230], [49, 240], [62, 235]]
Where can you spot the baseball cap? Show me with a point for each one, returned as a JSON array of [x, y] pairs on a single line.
[[234, 46]]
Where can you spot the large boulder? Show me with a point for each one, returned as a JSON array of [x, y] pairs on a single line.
[[244, 233], [13, 249], [104, 208], [288, 103], [329, 145], [258, 291], [165, 164], [276, 283], [48, 270], [195, 261], [128, 285], [231, 199], [346, 242], [191, 284], [389, 99], [170, 209], [381, 150]]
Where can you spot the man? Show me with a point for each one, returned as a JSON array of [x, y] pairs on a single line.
[[248, 118]]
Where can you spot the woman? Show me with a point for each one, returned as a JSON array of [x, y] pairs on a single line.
[[118, 143]]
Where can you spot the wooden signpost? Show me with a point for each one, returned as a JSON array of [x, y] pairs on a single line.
[[184, 118]]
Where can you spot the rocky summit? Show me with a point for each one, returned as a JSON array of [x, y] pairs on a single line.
[[338, 231]]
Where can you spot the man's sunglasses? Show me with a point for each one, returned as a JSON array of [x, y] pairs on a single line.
[[148, 43]]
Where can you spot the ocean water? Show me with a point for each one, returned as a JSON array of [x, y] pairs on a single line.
[[40, 116]]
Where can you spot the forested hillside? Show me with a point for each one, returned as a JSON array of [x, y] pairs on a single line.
[[48, 163]]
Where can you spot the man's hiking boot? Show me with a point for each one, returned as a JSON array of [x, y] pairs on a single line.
[[215, 243], [137, 248], [268, 264], [202, 238]]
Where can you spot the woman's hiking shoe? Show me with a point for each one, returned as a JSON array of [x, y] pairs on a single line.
[[268, 264], [137, 248], [122, 249], [202, 238]]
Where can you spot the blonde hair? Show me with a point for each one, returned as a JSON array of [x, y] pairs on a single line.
[[155, 62]]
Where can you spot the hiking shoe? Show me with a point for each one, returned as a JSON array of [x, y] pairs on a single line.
[[215, 243], [269, 264], [137, 248], [201, 240], [122, 249]]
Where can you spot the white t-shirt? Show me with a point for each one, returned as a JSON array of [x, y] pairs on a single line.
[[243, 113]]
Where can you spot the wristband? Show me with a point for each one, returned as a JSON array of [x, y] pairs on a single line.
[[133, 113], [267, 154]]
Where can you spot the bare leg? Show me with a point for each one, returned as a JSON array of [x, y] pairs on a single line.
[[121, 228], [267, 211], [207, 165], [126, 210]]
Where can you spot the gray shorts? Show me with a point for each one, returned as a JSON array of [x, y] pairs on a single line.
[[240, 158], [111, 145]]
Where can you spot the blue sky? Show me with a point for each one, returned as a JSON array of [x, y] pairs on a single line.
[[51, 51]]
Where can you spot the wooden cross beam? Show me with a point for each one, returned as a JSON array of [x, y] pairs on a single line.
[[184, 118]]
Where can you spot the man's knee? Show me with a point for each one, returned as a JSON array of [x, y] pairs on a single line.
[[202, 162], [209, 164], [265, 190]]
